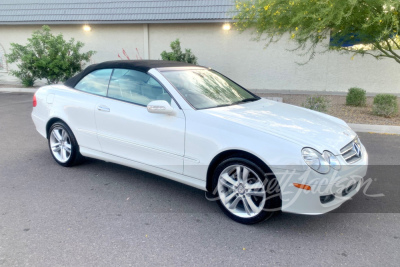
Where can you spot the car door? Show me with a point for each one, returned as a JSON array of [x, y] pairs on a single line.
[[126, 129], [79, 106]]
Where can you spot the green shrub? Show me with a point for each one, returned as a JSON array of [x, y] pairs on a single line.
[[47, 56], [317, 103], [356, 97], [178, 55], [385, 105], [25, 76]]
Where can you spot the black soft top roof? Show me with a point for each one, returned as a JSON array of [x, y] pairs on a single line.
[[139, 65]]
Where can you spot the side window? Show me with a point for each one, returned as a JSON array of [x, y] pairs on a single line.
[[95, 82], [136, 87]]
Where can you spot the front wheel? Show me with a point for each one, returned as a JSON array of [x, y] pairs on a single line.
[[63, 145], [241, 189]]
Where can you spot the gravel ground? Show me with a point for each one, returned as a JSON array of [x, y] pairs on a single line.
[[337, 108]]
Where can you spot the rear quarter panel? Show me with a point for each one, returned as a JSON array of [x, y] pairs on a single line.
[[41, 113], [76, 109], [73, 107]]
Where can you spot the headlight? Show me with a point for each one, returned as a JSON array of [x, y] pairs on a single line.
[[320, 162], [332, 160], [315, 160]]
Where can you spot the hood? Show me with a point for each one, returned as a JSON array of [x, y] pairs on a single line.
[[305, 127]]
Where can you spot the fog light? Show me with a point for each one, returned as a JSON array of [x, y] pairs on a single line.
[[349, 189], [327, 199]]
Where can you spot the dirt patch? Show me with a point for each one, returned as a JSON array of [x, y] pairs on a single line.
[[338, 108]]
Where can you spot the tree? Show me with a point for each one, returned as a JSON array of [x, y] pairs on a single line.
[[47, 56], [178, 55], [365, 27]]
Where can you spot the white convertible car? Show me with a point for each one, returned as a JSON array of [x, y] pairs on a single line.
[[195, 126]]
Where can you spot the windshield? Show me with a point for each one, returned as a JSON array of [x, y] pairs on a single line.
[[205, 88]]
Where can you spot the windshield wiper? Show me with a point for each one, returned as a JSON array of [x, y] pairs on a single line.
[[223, 105], [237, 102], [246, 100]]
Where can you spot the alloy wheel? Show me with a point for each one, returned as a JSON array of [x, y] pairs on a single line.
[[60, 144], [241, 191]]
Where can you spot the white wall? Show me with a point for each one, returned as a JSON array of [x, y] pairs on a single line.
[[275, 68], [231, 53]]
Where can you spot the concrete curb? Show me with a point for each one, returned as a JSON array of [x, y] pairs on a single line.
[[18, 90], [363, 128], [382, 129]]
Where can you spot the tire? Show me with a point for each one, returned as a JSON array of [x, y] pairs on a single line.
[[244, 200], [63, 145]]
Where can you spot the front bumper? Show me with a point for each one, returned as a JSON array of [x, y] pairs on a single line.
[[335, 184]]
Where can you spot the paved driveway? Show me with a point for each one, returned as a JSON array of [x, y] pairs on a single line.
[[102, 214]]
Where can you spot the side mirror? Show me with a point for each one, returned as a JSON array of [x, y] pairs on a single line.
[[160, 107]]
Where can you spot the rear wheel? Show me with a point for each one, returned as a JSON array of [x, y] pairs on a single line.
[[63, 145], [241, 189]]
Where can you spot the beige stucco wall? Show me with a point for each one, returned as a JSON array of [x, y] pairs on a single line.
[[275, 68], [231, 53]]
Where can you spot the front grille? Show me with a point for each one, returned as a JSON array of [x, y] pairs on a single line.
[[352, 151]]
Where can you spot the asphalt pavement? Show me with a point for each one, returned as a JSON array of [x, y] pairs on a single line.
[[103, 214]]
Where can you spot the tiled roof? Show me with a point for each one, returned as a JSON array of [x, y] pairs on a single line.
[[107, 11]]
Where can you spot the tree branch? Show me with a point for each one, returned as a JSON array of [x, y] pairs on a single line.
[[375, 56], [386, 54], [396, 44], [391, 50]]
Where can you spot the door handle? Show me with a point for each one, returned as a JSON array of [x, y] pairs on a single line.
[[103, 108]]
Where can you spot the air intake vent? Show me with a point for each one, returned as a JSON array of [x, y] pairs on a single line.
[[352, 151]]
